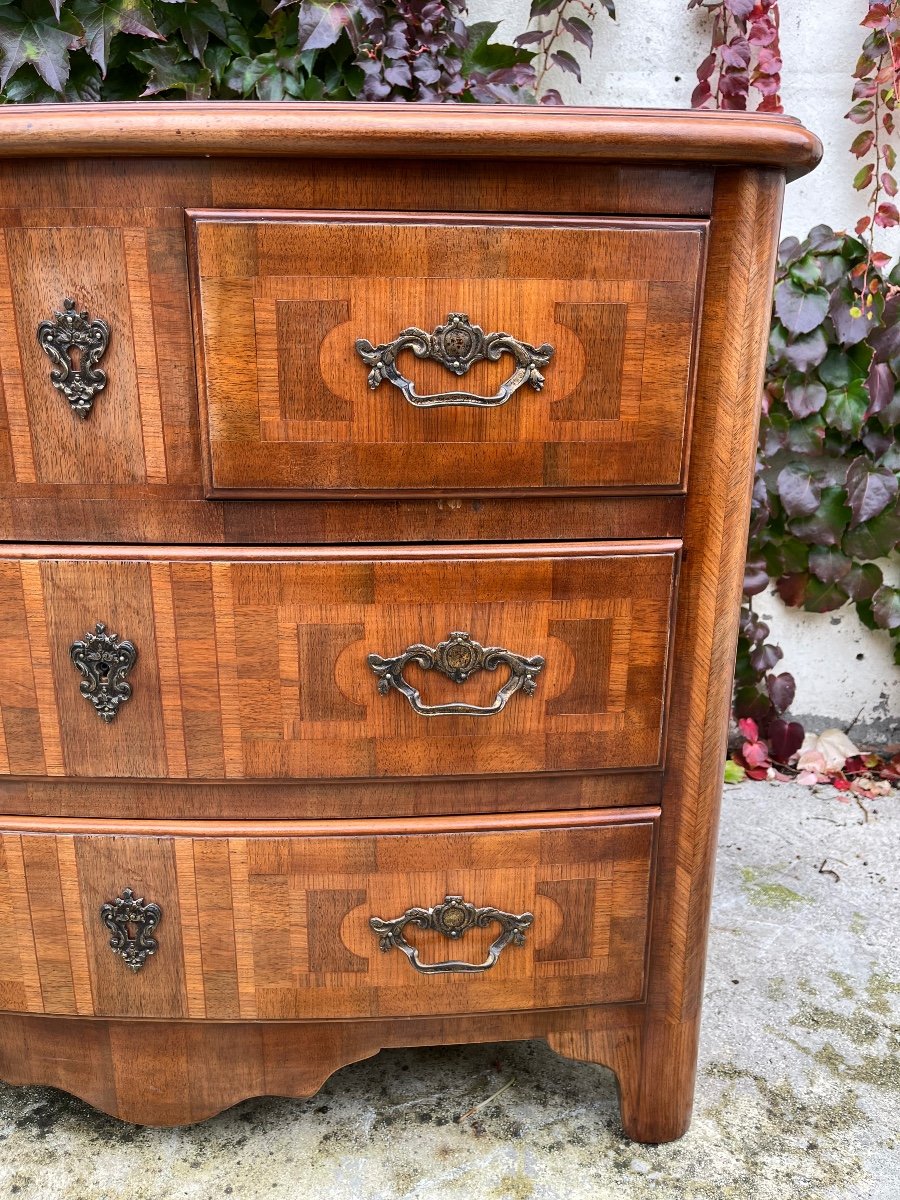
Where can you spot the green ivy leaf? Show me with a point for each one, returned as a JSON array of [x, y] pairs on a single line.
[[734, 772], [196, 21], [837, 368], [875, 538], [806, 271], [824, 597], [103, 19], [41, 43], [172, 70], [799, 310], [806, 437], [845, 408], [825, 526]]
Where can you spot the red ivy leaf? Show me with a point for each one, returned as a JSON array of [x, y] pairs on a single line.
[[886, 215], [749, 729], [862, 143], [860, 113], [878, 17], [862, 225]]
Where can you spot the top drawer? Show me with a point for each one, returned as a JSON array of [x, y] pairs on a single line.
[[295, 309]]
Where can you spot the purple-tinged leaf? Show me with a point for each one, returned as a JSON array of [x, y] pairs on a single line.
[[764, 657], [887, 215], [798, 490], [580, 31], [828, 564], [886, 607], [567, 62], [740, 8], [824, 527], [806, 351], [792, 588], [540, 8], [847, 315], [532, 37], [861, 113], [803, 395], [863, 143], [321, 24], [880, 386], [736, 53], [784, 737], [756, 577], [870, 490], [886, 340], [800, 311], [862, 581]]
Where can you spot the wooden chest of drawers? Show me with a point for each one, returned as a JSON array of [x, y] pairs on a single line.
[[373, 491]]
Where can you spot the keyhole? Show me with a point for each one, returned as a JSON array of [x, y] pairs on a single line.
[[75, 356], [103, 671]]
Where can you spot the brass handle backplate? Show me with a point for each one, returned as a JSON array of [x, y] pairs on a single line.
[[452, 918], [456, 346], [131, 922], [79, 380], [458, 657], [104, 661]]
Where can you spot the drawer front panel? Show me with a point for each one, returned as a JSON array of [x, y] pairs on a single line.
[[259, 667], [279, 927], [283, 299]]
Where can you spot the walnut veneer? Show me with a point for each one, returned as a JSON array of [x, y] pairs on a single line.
[[394, 684]]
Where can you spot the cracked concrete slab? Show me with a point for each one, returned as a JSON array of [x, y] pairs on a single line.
[[798, 1094]]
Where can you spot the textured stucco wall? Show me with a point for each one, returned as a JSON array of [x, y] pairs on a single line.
[[647, 58]]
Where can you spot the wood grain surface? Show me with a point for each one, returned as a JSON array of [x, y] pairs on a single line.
[[439, 131], [271, 921], [288, 408], [247, 785], [255, 667]]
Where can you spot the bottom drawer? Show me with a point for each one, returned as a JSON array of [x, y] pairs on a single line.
[[274, 920]]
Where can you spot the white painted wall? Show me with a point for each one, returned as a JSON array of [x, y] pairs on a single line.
[[648, 58]]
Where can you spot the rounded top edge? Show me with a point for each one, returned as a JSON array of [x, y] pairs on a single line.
[[224, 128]]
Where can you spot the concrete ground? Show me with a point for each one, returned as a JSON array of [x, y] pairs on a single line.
[[798, 1095]]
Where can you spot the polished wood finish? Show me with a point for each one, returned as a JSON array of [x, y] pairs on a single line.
[[564, 530], [618, 304], [255, 667], [271, 921], [429, 131]]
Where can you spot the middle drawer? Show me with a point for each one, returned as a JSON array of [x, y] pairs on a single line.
[[334, 663]]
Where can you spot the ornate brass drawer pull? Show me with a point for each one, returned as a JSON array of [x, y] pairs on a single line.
[[457, 658], [78, 380], [452, 919], [104, 661], [131, 922], [456, 346]]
